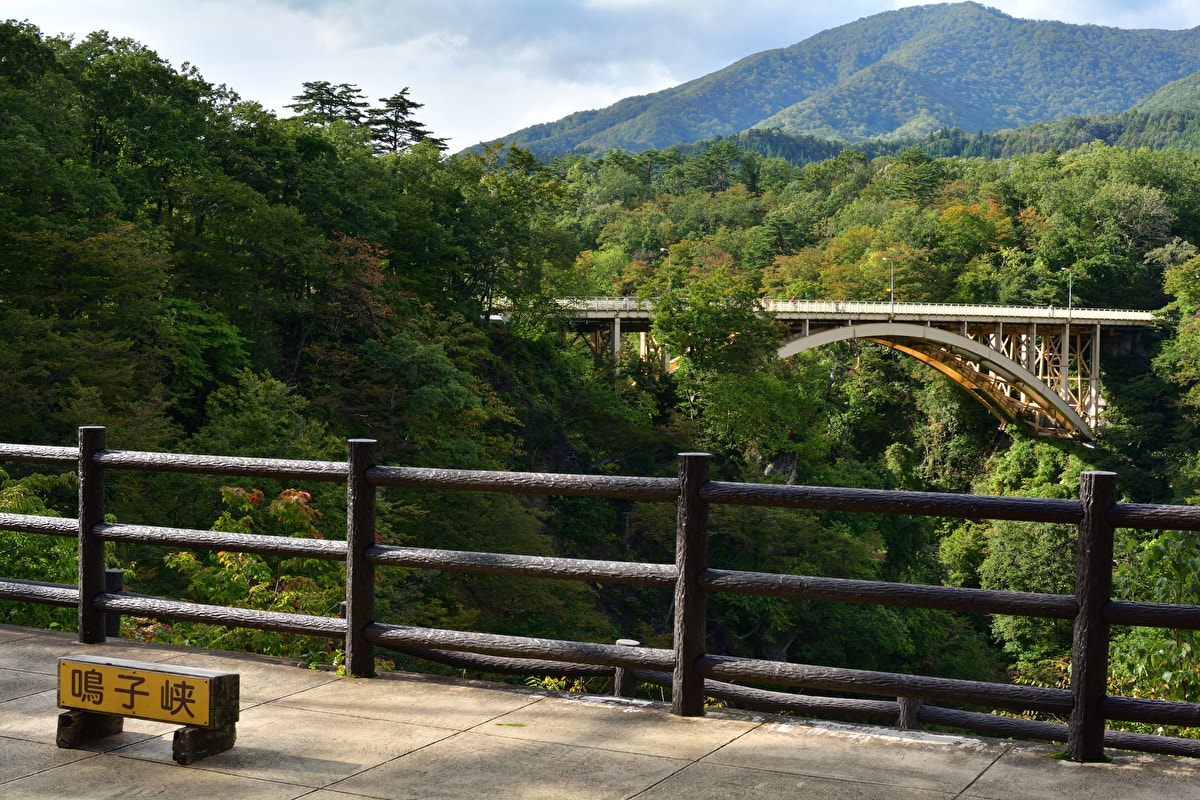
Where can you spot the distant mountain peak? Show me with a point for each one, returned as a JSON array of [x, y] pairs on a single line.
[[900, 73]]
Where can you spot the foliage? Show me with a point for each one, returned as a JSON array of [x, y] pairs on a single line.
[[1154, 662], [323, 103], [246, 580], [393, 128], [201, 276], [31, 557]]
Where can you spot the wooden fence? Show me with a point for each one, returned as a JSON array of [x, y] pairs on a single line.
[[691, 673]]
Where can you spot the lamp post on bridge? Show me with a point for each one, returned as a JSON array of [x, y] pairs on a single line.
[[1070, 289], [892, 291]]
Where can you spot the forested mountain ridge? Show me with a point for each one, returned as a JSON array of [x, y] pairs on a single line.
[[1183, 93], [903, 73], [1174, 126]]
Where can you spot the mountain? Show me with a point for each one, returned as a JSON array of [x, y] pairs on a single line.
[[898, 74], [1183, 93]]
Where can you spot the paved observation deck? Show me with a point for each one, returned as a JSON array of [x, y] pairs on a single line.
[[312, 734]]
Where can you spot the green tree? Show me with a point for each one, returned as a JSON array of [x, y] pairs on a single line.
[[32, 556], [247, 580], [145, 122], [393, 128], [717, 323], [323, 103], [1156, 662], [512, 249]]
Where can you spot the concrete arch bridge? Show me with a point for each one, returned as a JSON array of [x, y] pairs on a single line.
[[1039, 366]]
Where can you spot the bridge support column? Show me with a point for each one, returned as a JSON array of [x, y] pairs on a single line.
[[1033, 349], [1094, 380], [616, 338], [1064, 388]]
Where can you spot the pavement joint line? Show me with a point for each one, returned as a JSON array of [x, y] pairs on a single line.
[[90, 755], [201, 766], [695, 761], [656, 784], [603, 701], [492, 720], [1008, 748], [829, 778], [31, 694], [374, 719], [333, 785], [215, 768], [757, 726]]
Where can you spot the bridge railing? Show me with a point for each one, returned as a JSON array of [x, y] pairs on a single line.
[[691, 673], [864, 308]]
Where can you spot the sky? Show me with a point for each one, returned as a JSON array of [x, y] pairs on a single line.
[[486, 68]]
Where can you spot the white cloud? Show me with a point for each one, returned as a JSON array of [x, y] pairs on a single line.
[[484, 68]]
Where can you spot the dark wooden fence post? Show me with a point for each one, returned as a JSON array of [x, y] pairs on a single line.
[[691, 558], [1093, 589], [91, 548], [910, 713], [623, 683], [360, 574]]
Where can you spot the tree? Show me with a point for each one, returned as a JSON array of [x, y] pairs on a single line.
[[393, 129], [29, 556], [513, 249], [81, 322], [717, 168], [717, 324], [247, 580], [321, 103], [145, 122]]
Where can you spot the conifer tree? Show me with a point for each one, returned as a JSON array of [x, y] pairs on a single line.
[[321, 103], [393, 129]]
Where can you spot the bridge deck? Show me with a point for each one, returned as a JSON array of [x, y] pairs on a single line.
[[305, 733], [606, 308]]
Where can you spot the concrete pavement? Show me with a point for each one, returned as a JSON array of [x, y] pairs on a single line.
[[312, 734]]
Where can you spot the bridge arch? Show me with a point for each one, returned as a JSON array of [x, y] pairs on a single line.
[[1007, 389]]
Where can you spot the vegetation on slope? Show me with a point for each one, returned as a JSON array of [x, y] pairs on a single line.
[[199, 275]]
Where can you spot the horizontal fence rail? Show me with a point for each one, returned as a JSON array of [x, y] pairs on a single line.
[[690, 673], [525, 483], [845, 590], [881, 501], [329, 550]]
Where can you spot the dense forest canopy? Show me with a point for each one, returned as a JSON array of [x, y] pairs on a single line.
[[200, 275]]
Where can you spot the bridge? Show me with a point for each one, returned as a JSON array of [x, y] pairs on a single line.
[[1039, 366]]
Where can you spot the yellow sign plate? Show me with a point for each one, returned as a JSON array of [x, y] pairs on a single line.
[[135, 689]]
